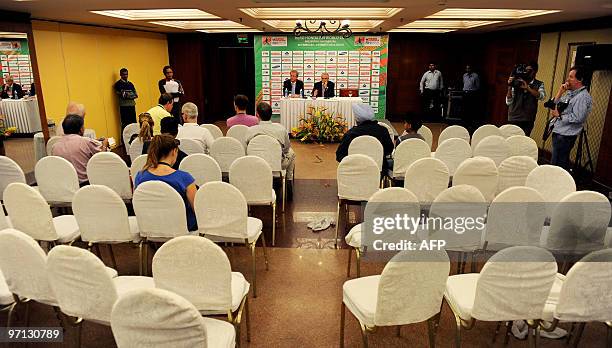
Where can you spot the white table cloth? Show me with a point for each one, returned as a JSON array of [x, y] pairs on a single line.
[[293, 109], [21, 113]]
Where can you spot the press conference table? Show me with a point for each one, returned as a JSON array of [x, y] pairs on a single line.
[[293, 109], [21, 113]]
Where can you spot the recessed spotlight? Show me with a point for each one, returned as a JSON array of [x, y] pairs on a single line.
[[169, 13]]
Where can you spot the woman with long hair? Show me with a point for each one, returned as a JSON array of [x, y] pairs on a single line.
[[146, 128], [161, 156]]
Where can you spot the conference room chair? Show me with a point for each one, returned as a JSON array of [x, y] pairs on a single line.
[[270, 150], [483, 132], [480, 172], [493, 147], [513, 171], [458, 202], [552, 182], [238, 132], [103, 219], [202, 167], [369, 146], [253, 177], [110, 170], [191, 146], [135, 149], [454, 131], [11, 172], [385, 203], [198, 270], [409, 290], [137, 164], [127, 133], [233, 225], [521, 145], [390, 130], [158, 318], [509, 130], [453, 152], [426, 178], [23, 261], [83, 287], [160, 212], [51, 142], [514, 284], [426, 133], [57, 180], [5, 221], [225, 151], [406, 153], [582, 296], [358, 179], [30, 213], [6, 297], [213, 129], [515, 218]]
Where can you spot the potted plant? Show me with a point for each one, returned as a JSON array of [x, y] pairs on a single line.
[[5, 132], [320, 126]]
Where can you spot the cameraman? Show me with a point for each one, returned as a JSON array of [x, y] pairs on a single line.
[[569, 121], [522, 97]]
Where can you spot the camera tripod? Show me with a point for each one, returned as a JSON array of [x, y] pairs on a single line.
[[583, 145]]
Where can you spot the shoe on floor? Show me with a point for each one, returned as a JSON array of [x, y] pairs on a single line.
[[519, 329], [555, 334]]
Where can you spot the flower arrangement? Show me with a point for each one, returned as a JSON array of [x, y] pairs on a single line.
[[320, 126], [6, 131]]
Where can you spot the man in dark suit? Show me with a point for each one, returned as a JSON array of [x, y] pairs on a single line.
[[293, 86], [11, 90], [324, 87]]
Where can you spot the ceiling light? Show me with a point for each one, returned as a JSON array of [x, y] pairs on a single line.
[[488, 13], [11, 35], [445, 24], [356, 25], [437, 31], [201, 24], [315, 12], [182, 13], [240, 30]]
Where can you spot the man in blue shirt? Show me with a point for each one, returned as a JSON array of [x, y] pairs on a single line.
[[569, 123]]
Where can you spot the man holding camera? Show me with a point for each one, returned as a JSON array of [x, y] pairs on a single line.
[[572, 109], [522, 97]]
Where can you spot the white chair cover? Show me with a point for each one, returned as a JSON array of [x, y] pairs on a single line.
[[480, 172], [426, 134], [52, 141], [160, 211], [493, 147], [157, 318], [389, 129], [238, 132], [269, 149], [509, 130], [6, 296], [102, 216], [137, 164], [253, 177], [23, 261], [483, 132], [369, 146], [579, 223], [135, 149], [225, 151], [454, 131], [213, 129], [191, 146], [202, 167], [406, 153], [128, 131], [513, 171], [515, 217], [552, 182], [453, 152], [521, 145], [108, 169], [56, 178], [426, 178], [358, 178], [11, 172]]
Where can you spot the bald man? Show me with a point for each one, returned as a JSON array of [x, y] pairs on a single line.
[[11, 90], [75, 108], [324, 88]]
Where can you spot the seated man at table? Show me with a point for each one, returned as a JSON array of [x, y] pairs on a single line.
[[293, 87], [276, 131], [191, 129], [11, 90], [366, 125], [324, 88], [240, 106], [76, 148]]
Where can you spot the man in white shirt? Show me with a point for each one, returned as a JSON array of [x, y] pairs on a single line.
[[431, 89], [276, 131], [191, 130]]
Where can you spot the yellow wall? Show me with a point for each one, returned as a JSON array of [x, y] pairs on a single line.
[[81, 63]]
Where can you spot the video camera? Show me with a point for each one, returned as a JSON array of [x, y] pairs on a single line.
[[519, 73], [560, 106]]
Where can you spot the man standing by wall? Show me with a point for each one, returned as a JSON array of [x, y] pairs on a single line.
[[126, 92], [173, 87], [471, 86], [570, 121], [431, 89], [522, 98]]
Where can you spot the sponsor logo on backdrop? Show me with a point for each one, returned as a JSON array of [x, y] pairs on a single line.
[[374, 41], [276, 41]]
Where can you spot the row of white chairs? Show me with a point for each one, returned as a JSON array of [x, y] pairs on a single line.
[[456, 131], [192, 278]]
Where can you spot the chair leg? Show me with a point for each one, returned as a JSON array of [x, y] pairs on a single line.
[[248, 319], [265, 252], [140, 258], [608, 334], [457, 332], [112, 254], [284, 188], [342, 320], [273, 223], [145, 258], [237, 329], [358, 262], [431, 330], [578, 335], [364, 335], [398, 331], [10, 314], [530, 337], [27, 313], [337, 225], [348, 268], [254, 272], [507, 333]]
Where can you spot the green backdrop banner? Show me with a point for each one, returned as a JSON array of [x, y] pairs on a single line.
[[359, 62]]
